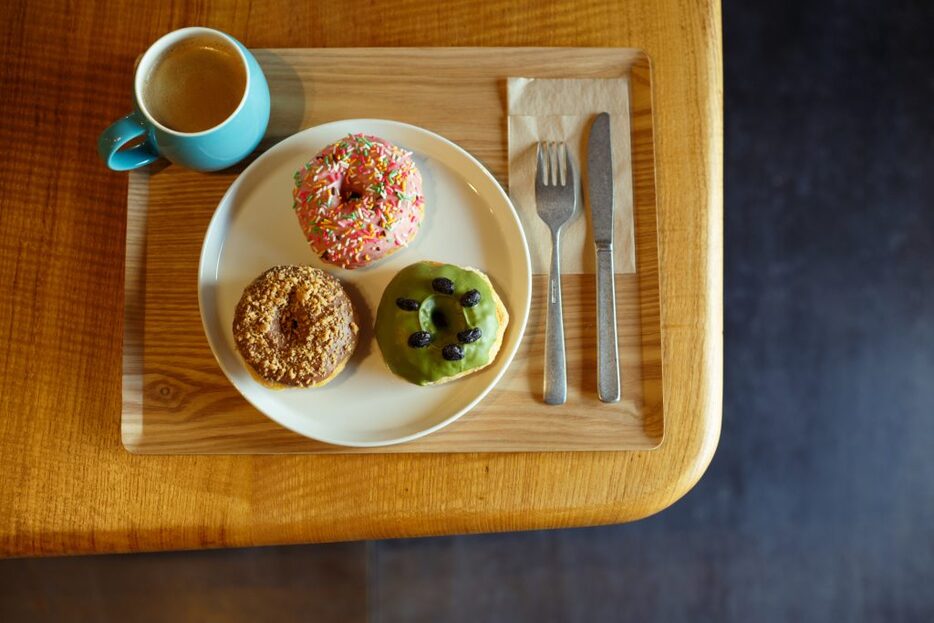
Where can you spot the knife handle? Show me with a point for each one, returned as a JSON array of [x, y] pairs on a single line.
[[556, 377], [607, 351]]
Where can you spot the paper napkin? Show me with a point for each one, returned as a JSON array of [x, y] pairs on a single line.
[[562, 110]]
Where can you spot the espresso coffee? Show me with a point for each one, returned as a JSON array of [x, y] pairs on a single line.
[[195, 84]]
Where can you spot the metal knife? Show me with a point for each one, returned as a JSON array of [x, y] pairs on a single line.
[[600, 193]]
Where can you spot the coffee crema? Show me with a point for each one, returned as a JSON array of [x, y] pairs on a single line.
[[195, 84]]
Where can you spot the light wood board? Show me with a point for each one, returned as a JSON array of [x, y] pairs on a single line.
[[176, 400], [70, 487]]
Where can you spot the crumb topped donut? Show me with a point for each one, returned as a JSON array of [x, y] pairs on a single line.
[[294, 326], [359, 200], [437, 322]]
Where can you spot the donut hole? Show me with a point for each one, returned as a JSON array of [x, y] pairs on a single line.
[[292, 322], [439, 319], [443, 317], [351, 190], [290, 327]]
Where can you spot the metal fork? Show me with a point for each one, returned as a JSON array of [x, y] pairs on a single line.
[[556, 202]]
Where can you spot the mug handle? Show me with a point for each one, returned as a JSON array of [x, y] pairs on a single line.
[[121, 132]]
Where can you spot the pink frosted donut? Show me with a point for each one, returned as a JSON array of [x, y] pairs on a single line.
[[359, 200]]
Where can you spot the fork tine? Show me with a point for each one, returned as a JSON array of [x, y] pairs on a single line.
[[543, 162], [553, 166], [552, 170], [540, 171], [539, 164], [562, 155], [568, 167], [553, 157]]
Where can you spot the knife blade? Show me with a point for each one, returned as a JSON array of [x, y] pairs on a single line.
[[600, 179], [600, 195]]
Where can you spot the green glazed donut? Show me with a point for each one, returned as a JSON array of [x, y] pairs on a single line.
[[437, 322]]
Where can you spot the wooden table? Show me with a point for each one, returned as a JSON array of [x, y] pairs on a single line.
[[66, 483]]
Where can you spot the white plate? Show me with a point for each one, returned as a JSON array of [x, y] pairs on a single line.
[[469, 221]]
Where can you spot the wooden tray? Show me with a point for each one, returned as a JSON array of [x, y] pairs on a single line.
[[176, 400]]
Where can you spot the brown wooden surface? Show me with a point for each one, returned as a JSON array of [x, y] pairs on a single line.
[[176, 399], [69, 486]]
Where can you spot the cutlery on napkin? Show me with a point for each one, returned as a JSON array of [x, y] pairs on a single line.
[[580, 112], [563, 110]]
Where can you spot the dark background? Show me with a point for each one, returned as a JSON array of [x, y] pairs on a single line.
[[819, 505]]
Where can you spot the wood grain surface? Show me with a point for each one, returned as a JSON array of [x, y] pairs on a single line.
[[69, 486], [177, 400]]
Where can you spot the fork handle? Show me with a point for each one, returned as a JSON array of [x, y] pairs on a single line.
[[607, 351], [556, 382]]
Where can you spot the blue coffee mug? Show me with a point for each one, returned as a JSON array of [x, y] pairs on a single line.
[[215, 148]]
